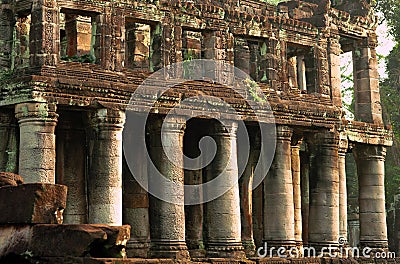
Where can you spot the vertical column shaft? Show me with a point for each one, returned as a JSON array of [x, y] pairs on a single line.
[[194, 212], [295, 158], [371, 173], [324, 191], [343, 144], [37, 156], [167, 220], [305, 194], [105, 173], [292, 72], [246, 194], [278, 197], [301, 73], [223, 235]]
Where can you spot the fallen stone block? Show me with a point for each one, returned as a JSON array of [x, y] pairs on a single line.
[[49, 240], [33, 203], [10, 179]]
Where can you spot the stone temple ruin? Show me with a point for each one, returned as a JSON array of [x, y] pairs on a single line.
[[69, 69]]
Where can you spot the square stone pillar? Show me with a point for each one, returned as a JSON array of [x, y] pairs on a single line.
[[278, 196], [167, 220], [366, 82], [222, 214], [218, 45], [324, 191], [334, 66], [44, 36], [7, 22], [37, 155], [343, 145], [370, 160], [105, 167], [322, 63]]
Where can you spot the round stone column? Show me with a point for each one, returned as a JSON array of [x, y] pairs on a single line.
[[167, 220], [37, 154], [324, 191], [222, 215], [246, 193], [343, 144], [105, 168], [370, 161], [296, 177], [278, 197]]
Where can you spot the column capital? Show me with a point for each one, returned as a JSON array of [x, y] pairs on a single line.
[[25, 112], [343, 144], [369, 152], [107, 118], [283, 132], [176, 124], [326, 139], [227, 128]]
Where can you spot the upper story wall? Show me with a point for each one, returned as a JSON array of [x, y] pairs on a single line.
[[294, 46]]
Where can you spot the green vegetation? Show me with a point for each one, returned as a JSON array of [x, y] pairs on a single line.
[[86, 58], [273, 2], [390, 96], [255, 91]]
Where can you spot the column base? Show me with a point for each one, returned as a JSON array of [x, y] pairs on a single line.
[[249, 247], [274, 248], [323, 249], [196, 249], [137, 249], [375, 245], [169, 249], [225, 250]]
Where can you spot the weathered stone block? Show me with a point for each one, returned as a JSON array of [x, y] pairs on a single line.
[[34, 203], [49, 240], [10, 179]]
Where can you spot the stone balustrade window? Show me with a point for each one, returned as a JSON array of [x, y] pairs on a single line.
[[143, 45], [138, 40], [301, 70], [77, 37], [191, 45], [20, 50]]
